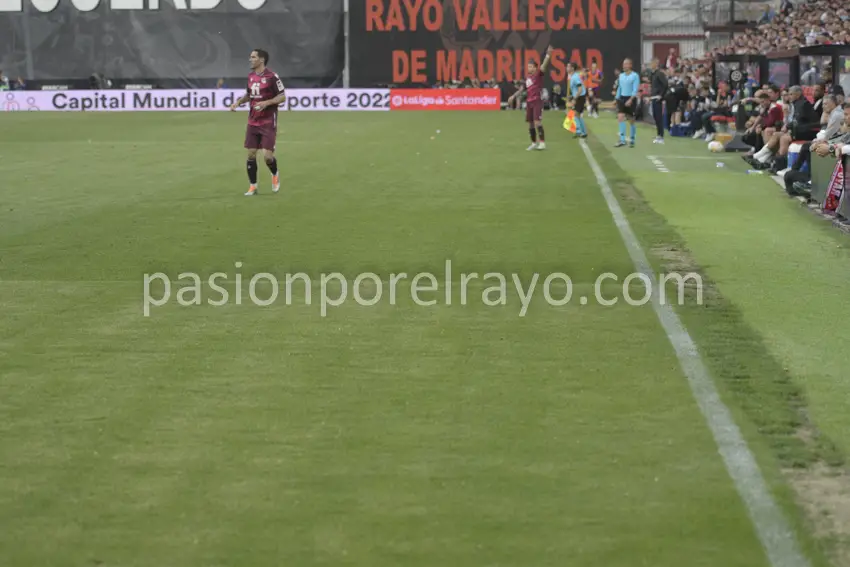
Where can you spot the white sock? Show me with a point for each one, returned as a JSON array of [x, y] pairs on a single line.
[[765, 157], [762, 152]]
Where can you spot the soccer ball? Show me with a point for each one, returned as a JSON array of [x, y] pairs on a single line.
[[715, 147]]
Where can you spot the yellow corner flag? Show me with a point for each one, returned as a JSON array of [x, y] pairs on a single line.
[[570, 121]]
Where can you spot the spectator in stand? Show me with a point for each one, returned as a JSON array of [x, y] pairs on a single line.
[[672, 60], [811, 76], [817, 22], [768, 15], [19, 85], [4, 81]]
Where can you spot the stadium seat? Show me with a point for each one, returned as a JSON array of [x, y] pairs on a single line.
[[681, 130], [721, 123], [794, 153]]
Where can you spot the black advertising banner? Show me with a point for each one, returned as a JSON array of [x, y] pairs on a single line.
[[179, 43], [423, 42]]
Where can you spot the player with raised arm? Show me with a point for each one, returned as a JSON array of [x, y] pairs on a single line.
[[627, 93], [534, 101], [265, 92]]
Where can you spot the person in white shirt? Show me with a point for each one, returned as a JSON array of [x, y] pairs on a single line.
[[811, 76], [837, 146], [833, 116], [831, 121]]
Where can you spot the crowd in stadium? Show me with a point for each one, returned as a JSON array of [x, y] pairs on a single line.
[[7, 84], [810, 120], [822, 22]]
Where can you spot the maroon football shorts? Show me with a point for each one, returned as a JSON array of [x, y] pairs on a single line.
[[261, 137], [534, 111]]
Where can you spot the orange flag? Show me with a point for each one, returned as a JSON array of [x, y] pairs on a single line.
[[570, 121]]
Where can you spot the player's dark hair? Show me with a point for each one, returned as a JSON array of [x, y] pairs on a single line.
[[263, 54]]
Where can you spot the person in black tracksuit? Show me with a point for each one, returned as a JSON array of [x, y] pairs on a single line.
[[658, 91]]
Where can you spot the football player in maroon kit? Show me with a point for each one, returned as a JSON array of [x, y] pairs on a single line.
[[534, 101], [265, 92]]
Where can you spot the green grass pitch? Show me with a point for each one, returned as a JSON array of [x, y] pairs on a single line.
[[397, 434]]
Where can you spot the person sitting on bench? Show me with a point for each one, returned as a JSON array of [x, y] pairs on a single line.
[[830, 126]]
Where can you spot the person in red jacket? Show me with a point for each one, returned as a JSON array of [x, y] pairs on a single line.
[[763, 127]]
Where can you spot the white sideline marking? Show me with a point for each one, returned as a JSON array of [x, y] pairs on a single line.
[[776, 536], [659, 165]]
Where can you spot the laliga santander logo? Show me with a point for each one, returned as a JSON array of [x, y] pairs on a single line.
[[446, 99], [462, 100], [46, 6], [456, 40]]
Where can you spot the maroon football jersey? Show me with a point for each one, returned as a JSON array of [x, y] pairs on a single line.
[[263, 86], [773, 117], [534, 86]]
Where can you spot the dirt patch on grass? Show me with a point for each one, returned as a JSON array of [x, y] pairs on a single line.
[[677, 260], [813, 467], [627, 191], [824, 493]]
